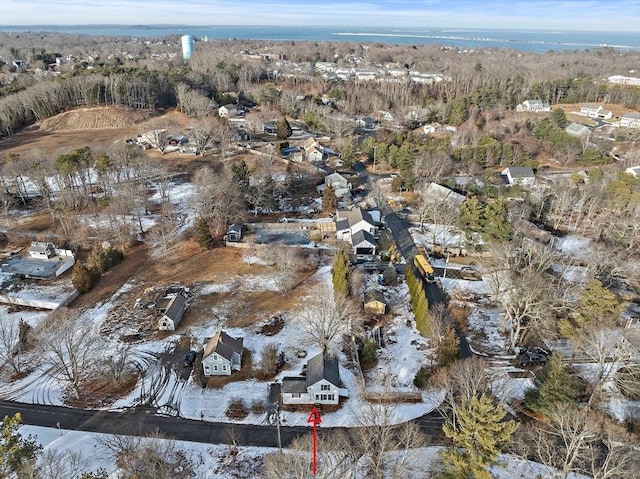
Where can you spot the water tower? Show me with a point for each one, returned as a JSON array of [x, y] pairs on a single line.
[[187, 46]]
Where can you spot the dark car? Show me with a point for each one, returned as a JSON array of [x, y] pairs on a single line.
[[189, 359], [530, 358]]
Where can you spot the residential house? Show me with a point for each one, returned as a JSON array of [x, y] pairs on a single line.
[[230, 110], [533, 105], [234, 233], [387, 116], [519, 175], [633, 171], [630, 120], [366, 122], [374, 302], [366, 75], [41, 250], [349, 222], [443, 195], [364, 243], [172, 305], [431, 128], [576, 129], [320, 385], [593, 110], [339, 183], [155, 138], [314, 155], [19, 64], [223, 355]]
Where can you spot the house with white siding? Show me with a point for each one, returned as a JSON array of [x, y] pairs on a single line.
[[519, 175], [630, 120], [223, 355], [533, 105], [593, 110], [319, 385]]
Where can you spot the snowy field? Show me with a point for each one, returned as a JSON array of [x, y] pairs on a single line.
[[214, 461]]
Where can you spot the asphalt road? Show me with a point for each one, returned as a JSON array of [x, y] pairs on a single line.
[[400, 230], [141, 421]]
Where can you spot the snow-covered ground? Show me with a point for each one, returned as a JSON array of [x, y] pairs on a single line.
[[215, 461]]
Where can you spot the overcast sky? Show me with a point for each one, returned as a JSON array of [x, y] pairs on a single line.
[[607, 15]]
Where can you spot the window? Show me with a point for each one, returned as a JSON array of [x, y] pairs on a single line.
[[325, 387], [224, 367], [296, 395], [324, 397], [215, 367], [317, 397], [331, 397]]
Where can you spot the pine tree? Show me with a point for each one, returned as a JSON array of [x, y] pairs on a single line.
[[203, 234], [389, 275], [340, 274], [559, 117], [471, 215], [448, 349], [329, 199], [554, 385], [283, 129], [479, 434], [15, 450], [495, 225]]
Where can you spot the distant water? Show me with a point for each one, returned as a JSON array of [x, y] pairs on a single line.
[[524, 40]]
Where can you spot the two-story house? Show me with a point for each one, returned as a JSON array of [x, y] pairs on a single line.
[[320, 385], [533, 105], [630, 120], [593, 110], [223, 355]]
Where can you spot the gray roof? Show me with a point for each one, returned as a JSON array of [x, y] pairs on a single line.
[[224, 345], [235, 228], [444, 194], [521, 172], [362, 236], [40, 247], [632, 114], [342, 225], [322, 367], [576, 128], [374, 295], [534, 102], [175, 308], [294, 385], [356, 215]]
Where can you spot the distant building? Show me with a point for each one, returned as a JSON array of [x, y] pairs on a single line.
[[623, 80], [593, 110], [519, 175], [630, 120], [576, 129], [533, 105], [633, 171], [187, 46]]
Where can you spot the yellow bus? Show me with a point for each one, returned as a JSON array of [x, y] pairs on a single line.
[[424, 268]]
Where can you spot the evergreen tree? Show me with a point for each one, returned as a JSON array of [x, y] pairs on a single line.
[[420, 379], [15, 450], [349, 155], [329, 199], [448, 350], [419, 303], [459, 113], [283, 129], [554, 385], [596, 305], [559, 118], [471, 215], [479, 434], [240, 173], [82, 278], [203, 234], [495, 225], [389, 275], [340, 273]]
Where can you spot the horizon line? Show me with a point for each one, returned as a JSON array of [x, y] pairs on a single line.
[[386, 27]]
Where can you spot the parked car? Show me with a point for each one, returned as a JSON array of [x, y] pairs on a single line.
[[189, 359], [530, 358]]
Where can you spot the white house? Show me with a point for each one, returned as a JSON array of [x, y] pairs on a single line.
[[321, 385], [633, 171], [41, 250], [519, 175], [623, 80], [366, 122], [630, 120], [533, 105], [576, 129], [156, 138], [230, 110], [364, 243], [172, 305], [593, 110], [349, 222], [223, 355]]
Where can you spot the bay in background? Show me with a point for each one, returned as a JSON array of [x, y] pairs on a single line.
[[523, 40]]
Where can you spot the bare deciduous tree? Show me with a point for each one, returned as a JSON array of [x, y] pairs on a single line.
[[72, 350], [10, 343]]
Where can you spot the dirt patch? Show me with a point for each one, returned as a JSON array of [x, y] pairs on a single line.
[[102, 392], [96, 118]]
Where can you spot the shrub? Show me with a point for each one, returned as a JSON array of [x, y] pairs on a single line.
[[237, 409], [420, 380], [369, 354], [269, 359], [83, 278]]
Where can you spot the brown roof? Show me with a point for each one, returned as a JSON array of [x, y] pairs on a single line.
[[224, 345]]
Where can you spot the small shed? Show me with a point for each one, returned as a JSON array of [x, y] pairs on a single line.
[[374, 302], [234, 233]]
